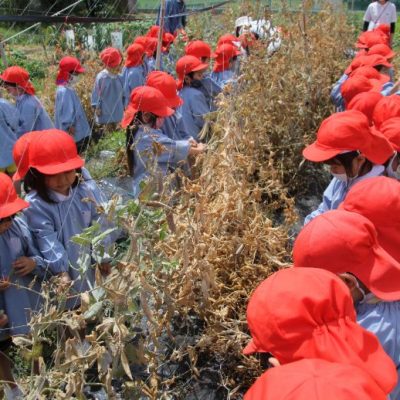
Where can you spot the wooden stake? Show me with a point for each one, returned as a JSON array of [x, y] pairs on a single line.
[[160, 35]]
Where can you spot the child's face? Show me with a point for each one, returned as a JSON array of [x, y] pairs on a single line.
[[5, 224], [12, 90], [198, 75], [60, 183]]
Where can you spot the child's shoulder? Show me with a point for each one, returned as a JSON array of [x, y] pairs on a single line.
[[103, 74]]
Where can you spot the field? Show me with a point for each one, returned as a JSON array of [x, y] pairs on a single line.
[[169, 323]]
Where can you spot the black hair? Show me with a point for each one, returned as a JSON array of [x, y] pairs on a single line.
[[35, 180], [131, 131], [12, 84], [237, 31], [346, 160]]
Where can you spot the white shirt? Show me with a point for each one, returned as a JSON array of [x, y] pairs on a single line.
[[378, 14]]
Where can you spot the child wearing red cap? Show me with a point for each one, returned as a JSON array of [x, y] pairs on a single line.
[[209, 87], [190, 71], [143, 119], [226, 57], [62, 205], [69, 115], [354, 152], [308, 313], [108, 95], [133, 73], [315, 379], [32, 115], [346, 243]]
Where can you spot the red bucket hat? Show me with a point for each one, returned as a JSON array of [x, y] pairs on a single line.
[[134, 55], [378, 199], [198, 49], [227, 38], [18, 76], [142, 40], [148, 99], [53, 151], [67, 66], [10, 203], [382, 50], [111, 57], [391, 130], [153, 31], [151, 46], [372, 74], [187, 64], [367, 39], [223, 54], [388, 107], [167, 40], [300, 313], [166, 84], [341, 241], [348, 131], [21, 154], [358, 84], [365, 102], [315, 379]]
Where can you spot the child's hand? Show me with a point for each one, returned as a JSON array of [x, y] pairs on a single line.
[[200, 148], [4, 283], [24, 266], [105, 268], [193, 142], [3, 320]]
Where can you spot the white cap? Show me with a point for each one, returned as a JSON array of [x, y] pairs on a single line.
[[243, 21]]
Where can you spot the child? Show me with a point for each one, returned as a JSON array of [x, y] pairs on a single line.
[[224, 66], [143, 118], [303, 313], [151, 53], [315, 379], [32, 115], [190, 71], [346, 243], [391, 130], [8, 135], [133, 73], [62, 205], [209, 87], [353, 152], [69, 114], [108, 96], [173, 126]]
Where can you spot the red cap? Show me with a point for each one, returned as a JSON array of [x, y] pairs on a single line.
[[148, 99], [153, 31], [387, 107], [166, 84], [367, 39], [21, 154], [67, 66], [198, 49], [18, 76], [151, 46], [187, 64], [53, 151], [111, 57], [358, 84], [391, 130], [10, 203], [365, 102], [315, 379], [226, 51], [382, 50], [167, 40], [300, 313], [368, 60], [378, 199], [341, 241], [371, 73], [348, 131], [227, 38], [142, 40], [134, 55]]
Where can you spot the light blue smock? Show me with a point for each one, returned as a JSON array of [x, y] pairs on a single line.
[[108, 96], [151, 64], [193, 109], [337, 190], [8, 132], [171, 23], [54, 224], [223, 78], [210, 89], [69, 112], [383, 320], [19, 301], [174, 128], [32, 115], [146, 163], [336, 95], [132, 77]]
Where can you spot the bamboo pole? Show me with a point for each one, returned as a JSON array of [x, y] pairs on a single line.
[[160, 35]]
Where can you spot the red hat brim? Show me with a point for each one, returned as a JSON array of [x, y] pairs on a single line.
[[53, 169], [12, 208], [317, 153]]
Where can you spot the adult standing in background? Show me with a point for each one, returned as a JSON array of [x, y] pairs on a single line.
[[380, 12], [171, 23]]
